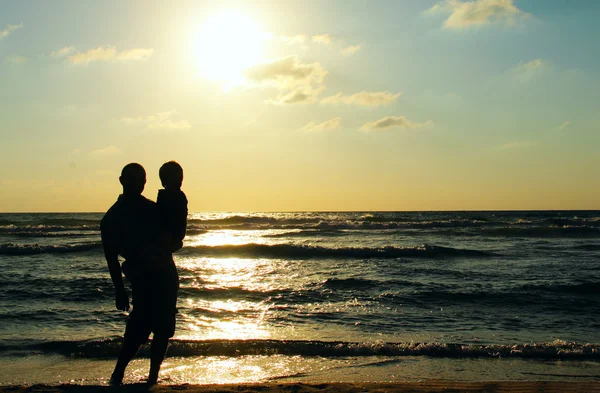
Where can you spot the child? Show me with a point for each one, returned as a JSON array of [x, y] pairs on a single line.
[[172, 205]]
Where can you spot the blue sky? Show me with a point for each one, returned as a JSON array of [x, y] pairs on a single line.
[[307, 105]]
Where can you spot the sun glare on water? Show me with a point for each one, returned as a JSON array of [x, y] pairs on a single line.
[[227, 44]]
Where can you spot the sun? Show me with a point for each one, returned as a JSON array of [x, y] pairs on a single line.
[[228, 43]]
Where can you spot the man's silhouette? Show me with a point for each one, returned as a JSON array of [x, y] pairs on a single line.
[[131, 229]]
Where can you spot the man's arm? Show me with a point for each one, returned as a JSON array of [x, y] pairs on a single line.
[[114, 267], [121, 297]]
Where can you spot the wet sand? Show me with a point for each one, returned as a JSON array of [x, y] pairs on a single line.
[[400, 387]]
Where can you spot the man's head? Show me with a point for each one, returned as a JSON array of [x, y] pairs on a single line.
[[133, 178], [171, 175]]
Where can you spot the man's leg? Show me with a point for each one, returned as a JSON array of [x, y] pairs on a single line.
[[131, 345], [137, 330], [158, 350], [163, 325]]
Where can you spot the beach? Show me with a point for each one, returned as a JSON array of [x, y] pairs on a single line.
[[405, 387]]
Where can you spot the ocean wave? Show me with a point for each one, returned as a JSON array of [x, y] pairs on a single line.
[[298, 251], [31, 249], [544, 231], [237, 220], [588, 247], [583, 288], [21, 229], [310, 233], [350, 283], [33, 234], [70, 221], [567, 299], [109, 348]]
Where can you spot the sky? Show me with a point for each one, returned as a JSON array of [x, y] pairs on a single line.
[[334, 105]]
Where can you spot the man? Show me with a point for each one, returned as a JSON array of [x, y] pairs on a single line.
[[131, 229]]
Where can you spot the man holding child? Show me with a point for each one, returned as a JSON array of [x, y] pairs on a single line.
[[145, 234]]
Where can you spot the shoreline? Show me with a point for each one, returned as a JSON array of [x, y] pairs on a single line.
[[428, 386]]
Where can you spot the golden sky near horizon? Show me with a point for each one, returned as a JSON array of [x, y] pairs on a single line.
[[293, 106]]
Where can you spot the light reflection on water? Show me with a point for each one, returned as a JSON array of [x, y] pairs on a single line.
[[233, 237], [226, 318]]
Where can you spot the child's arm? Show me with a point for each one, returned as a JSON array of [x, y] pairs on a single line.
[[179, 223]]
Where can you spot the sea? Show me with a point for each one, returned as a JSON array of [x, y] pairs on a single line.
[[317, 297]]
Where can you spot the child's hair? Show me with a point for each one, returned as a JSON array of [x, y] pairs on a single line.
[[171, 174]]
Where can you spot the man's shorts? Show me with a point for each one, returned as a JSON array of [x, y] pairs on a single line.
[[154, 303]]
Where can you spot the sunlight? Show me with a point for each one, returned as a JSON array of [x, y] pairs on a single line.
[[228, 43], [226, 237]]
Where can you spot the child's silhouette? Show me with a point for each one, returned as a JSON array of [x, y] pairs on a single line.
[[172, 205]]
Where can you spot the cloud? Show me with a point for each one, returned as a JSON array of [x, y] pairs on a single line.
[[109, 53], [297, 82], [284, 70], [9, 29], [62, 52], [394, 122], [159, 121], [322, 39], [98, 54], [564, 125], [527, 71], [350, 50], [106, 151], [464, 14], [516, 145], [330, 124], [15, 59], [290, 40], [533, 65], [135, 54], [364, 98]]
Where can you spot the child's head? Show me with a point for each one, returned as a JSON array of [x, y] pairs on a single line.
[[171, 175]]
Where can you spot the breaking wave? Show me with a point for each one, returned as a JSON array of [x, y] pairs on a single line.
[[297, 251], [232, 348], [31, 249]]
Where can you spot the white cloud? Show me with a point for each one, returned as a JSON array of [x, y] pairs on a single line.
[[527, 71], [135, 54], [394, 122], [159, 121], [105, 151], [516, 145], [62, 52], [9, 29], [350, 50], [290, 40], [364, 98], [330, 124], [110, 53], [98, 54], [564, 125], [15, 59], [322, 39], [297, 82], [533, 65], [476, 13]]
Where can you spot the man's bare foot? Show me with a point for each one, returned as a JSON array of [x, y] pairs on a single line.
[[116, 380]]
